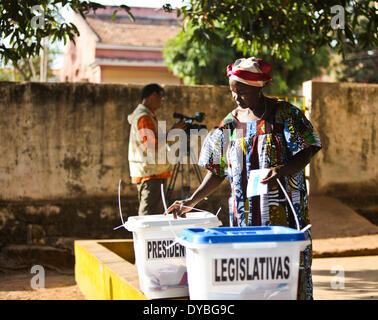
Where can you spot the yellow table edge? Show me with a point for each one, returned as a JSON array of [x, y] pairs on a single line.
[[103, 275]]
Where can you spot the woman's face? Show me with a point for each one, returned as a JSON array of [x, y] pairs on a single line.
[[245, 96]]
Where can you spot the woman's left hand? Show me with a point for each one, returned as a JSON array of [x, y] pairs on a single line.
[[272, 175], [295, 164]]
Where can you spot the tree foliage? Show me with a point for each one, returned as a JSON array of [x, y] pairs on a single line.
[[29, 69], [276, 26], [24, 38], [283, 29], [357, 66], [199, 64], [196, 63]]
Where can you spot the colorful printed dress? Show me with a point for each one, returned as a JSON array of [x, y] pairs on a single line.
[[235, 148]]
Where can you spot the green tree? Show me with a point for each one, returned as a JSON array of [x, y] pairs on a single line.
[[260, 26], [358, 66], [277, 26], [25, 23], [28, 69], [196, 63], [200, 64]]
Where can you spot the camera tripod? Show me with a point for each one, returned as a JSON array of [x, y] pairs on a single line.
[[185, 170]]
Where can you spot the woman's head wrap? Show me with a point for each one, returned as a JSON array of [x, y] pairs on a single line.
[[251, 71]]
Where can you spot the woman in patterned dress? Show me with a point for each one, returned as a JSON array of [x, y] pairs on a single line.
[[260, 133]]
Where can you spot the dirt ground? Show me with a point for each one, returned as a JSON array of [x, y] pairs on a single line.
[[345, 278], [16, 285], [359, 279], [345, 231]]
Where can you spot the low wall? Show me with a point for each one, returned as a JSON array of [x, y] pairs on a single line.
[[345, 116], [65, 147], [71, 140]]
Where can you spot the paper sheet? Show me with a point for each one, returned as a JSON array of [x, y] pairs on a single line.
[[254, 187]]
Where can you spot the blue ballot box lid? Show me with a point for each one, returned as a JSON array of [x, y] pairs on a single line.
[[241, 234]]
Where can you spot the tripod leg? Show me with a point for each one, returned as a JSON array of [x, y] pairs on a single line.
[[197, 171], [172, 181], [185, 182]]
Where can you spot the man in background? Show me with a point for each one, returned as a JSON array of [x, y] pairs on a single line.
[[148, 175]]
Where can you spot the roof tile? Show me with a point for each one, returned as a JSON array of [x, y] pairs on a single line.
[[132, 34]]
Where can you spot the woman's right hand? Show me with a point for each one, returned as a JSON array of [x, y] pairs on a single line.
[[209, 183], [180, 208]]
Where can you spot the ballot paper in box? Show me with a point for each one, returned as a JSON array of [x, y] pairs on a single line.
[[160, 260]]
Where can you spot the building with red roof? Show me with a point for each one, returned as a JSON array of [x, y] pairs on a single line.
[[121, 51]]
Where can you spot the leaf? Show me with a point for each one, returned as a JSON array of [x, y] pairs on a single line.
[[125, 7], [128, 10], [114, 15], [167, 7]]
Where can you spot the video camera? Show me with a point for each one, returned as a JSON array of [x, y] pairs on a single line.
[[189, 120]]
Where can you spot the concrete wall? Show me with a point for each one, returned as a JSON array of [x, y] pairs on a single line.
[[345, 116], [65, 147], [71, 140]]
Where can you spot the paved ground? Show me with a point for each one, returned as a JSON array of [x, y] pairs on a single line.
[[345, 264], [330, 218], [351, 278]]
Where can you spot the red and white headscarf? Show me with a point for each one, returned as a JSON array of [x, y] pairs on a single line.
[[251, 71]]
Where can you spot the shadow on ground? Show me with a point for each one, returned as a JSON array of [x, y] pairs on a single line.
[[21, 280]]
